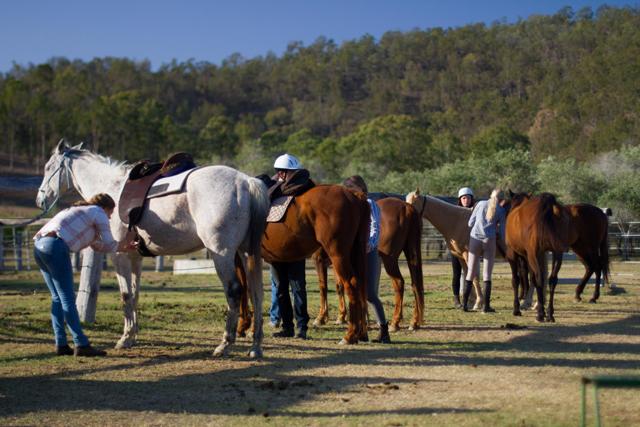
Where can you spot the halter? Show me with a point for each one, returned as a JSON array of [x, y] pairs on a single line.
[[424, 204], [63, 166]]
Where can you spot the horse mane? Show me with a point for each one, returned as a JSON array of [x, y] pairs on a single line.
[[546, 223], [76, 153]]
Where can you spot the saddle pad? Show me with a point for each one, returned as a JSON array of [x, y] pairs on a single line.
[[169, 184], [279, 208]]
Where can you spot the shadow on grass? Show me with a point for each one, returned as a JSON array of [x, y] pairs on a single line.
[[273, 385]]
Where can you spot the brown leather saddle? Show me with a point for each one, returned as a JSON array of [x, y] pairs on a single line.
[[142, 176]]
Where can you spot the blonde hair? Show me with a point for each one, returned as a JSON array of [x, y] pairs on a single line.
[[101, 199], [496, 196]]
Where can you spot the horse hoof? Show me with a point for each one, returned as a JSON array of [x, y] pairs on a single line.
[[577, 299], [540, 319], [255, 354], [592, 301], [517, 313], [124, 343], [393, 327], [220, 351], [241, 334], [551, 319], [414, 327], [340, 322], [318, 322], [345, 341]]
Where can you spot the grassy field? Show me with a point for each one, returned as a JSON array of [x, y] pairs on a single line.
[[461, 369]]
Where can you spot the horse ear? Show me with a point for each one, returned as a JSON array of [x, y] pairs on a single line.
[[417, 191], [530, 194], [511, 194], [77, 147], [61, 146]]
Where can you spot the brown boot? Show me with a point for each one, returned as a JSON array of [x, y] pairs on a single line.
[[383, 337], [88, 351], [64, 350]]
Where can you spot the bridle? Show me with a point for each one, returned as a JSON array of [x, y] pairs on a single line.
[[62, 167], [424, 204]]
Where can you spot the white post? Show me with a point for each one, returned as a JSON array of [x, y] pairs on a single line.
[[87, 298], [160, 263], [17, 249]]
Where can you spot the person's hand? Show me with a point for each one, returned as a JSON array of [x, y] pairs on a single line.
[[129, 246]]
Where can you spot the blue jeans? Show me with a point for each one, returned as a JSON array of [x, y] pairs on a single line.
[[291, 274], [52, 256], [274, 310]]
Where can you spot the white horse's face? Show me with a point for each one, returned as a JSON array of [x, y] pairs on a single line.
[[54, 172]]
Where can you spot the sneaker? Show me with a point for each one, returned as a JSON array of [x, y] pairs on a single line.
[[283, 333], [64, 350], [88, 351]]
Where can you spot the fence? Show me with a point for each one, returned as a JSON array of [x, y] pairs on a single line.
[[17, 245]]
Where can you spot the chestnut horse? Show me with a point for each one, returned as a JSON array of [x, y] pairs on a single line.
[[336, 220], [591, 246], [535, 226], [400, 231]]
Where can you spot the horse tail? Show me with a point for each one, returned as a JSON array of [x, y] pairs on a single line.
[[259, 209], [413, 254], [546, 222], [359, 260]]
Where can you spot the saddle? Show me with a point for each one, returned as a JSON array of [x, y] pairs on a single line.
[[142, 176]]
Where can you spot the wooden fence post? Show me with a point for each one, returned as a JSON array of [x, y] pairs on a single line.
[[87, 298]]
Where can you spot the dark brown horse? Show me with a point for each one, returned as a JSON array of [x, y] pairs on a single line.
[[400, 232], [535, 226], [591, 246], [334, 219]]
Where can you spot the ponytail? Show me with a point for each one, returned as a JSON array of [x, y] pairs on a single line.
[[496, 195]]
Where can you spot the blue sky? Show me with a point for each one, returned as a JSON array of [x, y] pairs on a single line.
[[159, 31]]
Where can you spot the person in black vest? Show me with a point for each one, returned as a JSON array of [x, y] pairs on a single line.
[[466, 200], [290, 179]]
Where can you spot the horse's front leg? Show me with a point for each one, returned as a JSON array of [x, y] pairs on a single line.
[[540, 278], [128, 271], [553, 282], [515, 283], [596, 291], [320, 260]]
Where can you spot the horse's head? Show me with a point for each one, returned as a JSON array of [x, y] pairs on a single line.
[[516, 199], [55, 171], [413, 197]]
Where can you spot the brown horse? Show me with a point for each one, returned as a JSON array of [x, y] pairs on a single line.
[[334, 219], [535, 226], [453, 223], [400, 231], [591, 246]]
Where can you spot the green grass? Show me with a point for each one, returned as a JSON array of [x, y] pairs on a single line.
[[460, 369]]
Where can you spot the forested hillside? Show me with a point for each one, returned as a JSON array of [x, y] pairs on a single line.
[[476, 105]]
